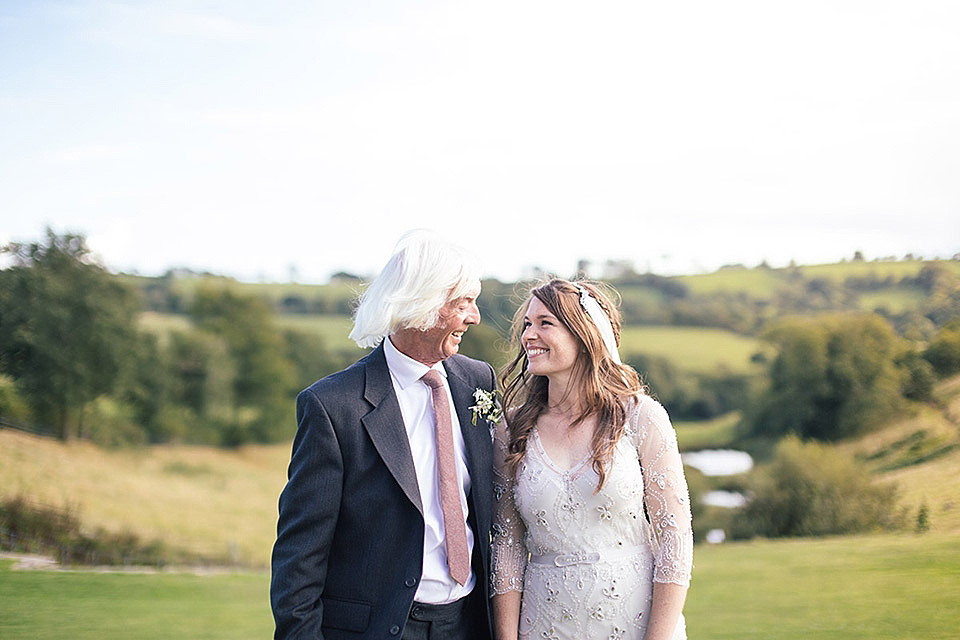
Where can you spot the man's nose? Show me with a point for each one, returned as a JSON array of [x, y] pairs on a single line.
[[474, 316]]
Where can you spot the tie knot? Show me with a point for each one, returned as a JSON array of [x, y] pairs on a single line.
[[432, 379]]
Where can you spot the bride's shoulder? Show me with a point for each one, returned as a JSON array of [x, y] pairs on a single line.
[[643, 410], [641, 403]]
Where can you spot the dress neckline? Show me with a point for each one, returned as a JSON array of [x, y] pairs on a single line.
[[549, 461]]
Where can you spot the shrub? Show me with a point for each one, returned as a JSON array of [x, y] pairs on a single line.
[[944, 350], [811, 489], [35, 528]]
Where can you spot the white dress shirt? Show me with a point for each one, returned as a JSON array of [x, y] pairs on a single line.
[[416, 408]]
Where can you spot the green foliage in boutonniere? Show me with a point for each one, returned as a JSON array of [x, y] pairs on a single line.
[[488, 406]]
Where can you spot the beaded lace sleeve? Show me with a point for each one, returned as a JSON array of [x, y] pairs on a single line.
[[665, 493], [509, 551]]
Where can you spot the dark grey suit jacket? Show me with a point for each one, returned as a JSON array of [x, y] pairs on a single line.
[[348, 555]]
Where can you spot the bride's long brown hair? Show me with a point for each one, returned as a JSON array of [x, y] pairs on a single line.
[[604, 385]]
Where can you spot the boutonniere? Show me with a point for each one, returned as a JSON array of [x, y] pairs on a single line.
[[488, 406]]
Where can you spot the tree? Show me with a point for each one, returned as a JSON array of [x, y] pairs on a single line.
[[832, 376], [66, 327], [264, 378]]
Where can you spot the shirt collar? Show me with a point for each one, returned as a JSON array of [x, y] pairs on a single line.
[[406, 370]]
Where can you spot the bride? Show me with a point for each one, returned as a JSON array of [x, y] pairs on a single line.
[[592, 535]]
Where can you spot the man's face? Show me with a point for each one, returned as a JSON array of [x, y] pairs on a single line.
[[442, 341]]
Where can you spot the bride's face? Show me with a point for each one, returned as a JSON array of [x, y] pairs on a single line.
[[551, 348]]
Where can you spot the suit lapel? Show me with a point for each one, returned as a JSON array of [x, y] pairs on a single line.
[[384, 425]]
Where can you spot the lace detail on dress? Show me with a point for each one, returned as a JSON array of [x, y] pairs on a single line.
[[665, 491], [509, 552], [586, 560]]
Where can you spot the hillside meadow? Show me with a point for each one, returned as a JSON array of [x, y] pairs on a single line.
[[217, 503], [762, 282]]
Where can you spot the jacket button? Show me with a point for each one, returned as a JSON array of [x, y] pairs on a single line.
[[394, 630], [410, 582]]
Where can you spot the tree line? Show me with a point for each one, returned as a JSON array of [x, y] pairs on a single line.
[[74, 361]]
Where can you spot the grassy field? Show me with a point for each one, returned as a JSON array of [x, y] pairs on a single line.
[[895, 300], [88, 605], [717, 433], [761, 283], [881, 268], [921, 453], [333, 330], [858, 588], [697, 349], [213, 502], [764, 282]]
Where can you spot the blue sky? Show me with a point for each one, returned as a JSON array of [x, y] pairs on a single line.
[[262, 139]]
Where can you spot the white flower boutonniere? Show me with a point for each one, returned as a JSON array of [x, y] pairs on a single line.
[[488, 406]]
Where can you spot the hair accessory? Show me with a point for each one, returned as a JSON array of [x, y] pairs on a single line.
[[600, 319]]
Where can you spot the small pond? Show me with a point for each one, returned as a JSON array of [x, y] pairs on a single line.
[[718, 462]]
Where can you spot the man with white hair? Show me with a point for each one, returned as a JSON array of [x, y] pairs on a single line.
[[385, 519]]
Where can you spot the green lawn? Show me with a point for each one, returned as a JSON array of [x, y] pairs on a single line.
[[38, 605], [885, 587], [869, 588]]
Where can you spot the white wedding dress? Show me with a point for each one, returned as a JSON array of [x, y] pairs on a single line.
[[586, 561]]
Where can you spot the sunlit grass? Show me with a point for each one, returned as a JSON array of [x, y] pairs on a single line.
[[894, 300], [217, 503], [696, 349], [881, 268], [855, 588], [931, 437], [718, 433], [763, 283], [760, 283], [333, 330], [160, 323], [84, 605]]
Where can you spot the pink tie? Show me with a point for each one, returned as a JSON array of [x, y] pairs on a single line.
[[458, 556]]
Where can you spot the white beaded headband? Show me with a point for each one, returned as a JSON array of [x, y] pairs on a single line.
[[600, 319]]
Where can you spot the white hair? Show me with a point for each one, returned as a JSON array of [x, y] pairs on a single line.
[[423, 274]]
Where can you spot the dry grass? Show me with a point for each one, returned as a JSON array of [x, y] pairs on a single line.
[[932, 436], [214, 502]]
